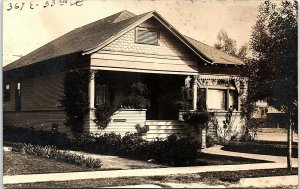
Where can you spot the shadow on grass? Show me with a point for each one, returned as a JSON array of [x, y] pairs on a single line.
[[273, 148]]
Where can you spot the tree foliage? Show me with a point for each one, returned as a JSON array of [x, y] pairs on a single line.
[[272, 72], [228, 45]]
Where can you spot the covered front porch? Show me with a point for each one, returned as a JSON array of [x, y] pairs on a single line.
[[160, 113]]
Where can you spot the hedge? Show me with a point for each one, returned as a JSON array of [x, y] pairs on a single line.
[[173, 151]]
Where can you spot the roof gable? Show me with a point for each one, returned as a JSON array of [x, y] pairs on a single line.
[[94, 36]]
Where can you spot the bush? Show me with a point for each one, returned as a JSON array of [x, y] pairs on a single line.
[[41, 137], [172, 151], [51, 152]]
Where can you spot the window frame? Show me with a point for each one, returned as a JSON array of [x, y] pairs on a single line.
[[106, 97], [227, 93], [18, 97], [137, 29], [6, 98]]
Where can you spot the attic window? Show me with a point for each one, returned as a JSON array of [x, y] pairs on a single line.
[[146, 36]]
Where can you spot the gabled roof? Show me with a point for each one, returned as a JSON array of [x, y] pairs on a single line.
[[92, 37], [217, 56]]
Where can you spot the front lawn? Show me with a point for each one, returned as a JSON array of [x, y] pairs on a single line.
[[275, 148], [16, 164], [211, 178]]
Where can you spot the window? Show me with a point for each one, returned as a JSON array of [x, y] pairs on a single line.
[[233, 99], [6, 93], [18, 97], [219, 99], [102, 94], [146, 36], [216, 99]]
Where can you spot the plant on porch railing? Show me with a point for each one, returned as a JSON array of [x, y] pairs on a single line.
[[184, 99], [74, 100], [138, 97], [198, 119], [104, 113]]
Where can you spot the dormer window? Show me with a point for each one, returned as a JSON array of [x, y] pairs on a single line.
[[146, 36]]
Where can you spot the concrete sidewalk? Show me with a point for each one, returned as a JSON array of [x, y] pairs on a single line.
[[134, 172]]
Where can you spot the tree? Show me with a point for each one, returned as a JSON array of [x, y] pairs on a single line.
[[272, 72], [228, 45]]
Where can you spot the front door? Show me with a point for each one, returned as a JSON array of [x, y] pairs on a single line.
[[163, 92]]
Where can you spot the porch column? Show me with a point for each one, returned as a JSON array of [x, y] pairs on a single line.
[[92, 91], [91, 95], [195, 88]]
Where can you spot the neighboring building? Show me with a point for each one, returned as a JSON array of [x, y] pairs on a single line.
[[123, 48], [268, 115]]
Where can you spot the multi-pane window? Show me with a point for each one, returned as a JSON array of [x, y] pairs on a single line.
[[146, 36], [102, 94], [6, 93]]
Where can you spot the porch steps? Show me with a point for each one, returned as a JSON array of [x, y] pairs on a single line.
[[163, 128]]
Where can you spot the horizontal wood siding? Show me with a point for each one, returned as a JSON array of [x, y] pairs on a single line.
[[38, 120], [130, 118], [162, 129], [42, 93]]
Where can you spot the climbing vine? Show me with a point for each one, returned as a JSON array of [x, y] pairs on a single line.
[[75, 98]]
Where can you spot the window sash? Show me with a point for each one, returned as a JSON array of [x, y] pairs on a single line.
[[102, 95], [216, 99], [6, 93]]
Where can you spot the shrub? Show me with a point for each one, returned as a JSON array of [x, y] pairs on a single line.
[[51, 152], [172, 151], [142, 130]]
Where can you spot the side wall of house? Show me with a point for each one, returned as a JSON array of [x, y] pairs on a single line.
[[40, 98]]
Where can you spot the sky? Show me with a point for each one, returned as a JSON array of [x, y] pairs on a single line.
[[26, 29]]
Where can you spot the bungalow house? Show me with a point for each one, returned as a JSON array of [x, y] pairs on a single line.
[[119, 50]]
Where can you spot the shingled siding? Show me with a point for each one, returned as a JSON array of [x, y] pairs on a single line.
[[237, 125], [40, 98], [167, 45]]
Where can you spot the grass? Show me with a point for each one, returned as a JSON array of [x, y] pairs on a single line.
[[274, 148], [211, 159], [15, 164], [211, 178]]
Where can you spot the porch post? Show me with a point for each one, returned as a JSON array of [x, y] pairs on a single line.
[[195, 88], [92, 90], [91, 95]]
